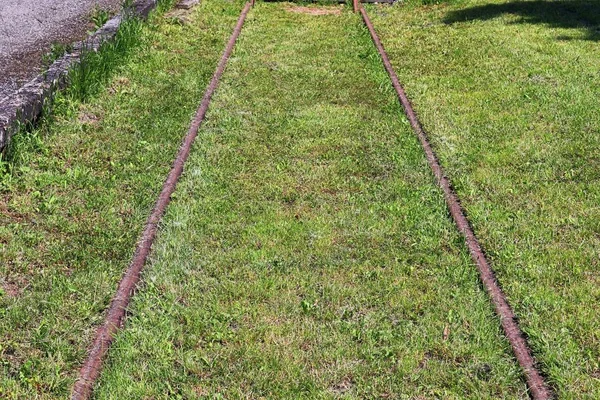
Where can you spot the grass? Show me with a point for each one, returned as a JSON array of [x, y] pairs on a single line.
[[508, 93], [79, 189], [90, 76], [307, 252]]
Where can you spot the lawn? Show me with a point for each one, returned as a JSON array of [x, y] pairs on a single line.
[[508, 92], [307, 252]]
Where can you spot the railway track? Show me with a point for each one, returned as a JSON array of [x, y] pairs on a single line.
[[89, 373]]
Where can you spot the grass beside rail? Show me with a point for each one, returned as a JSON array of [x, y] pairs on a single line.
[[85, 180], [508, 92]]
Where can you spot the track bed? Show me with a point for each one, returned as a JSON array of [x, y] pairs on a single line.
[[307, 252]]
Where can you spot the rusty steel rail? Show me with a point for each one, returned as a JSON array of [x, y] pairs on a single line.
[[538, 388], [90, 370]]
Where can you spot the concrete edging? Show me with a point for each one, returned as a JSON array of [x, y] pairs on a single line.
[[25, 104]]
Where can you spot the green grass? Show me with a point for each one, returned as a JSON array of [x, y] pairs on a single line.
[[307, 252], [91, 74], [508, 92], [79, 189]]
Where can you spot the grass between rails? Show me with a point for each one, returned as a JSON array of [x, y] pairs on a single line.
[[81, 189], [307, 252], [508, 92]]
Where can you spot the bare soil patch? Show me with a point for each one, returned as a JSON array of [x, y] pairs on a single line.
[[11, 289], [315, 10]]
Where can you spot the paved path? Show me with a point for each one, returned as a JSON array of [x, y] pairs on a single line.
[[28, 27]]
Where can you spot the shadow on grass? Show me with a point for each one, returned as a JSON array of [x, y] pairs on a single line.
[[574, 14]]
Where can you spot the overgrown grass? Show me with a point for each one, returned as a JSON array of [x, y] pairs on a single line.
[[91, 74], [508, 92], [85, 80], [307, 252], [81, 187]]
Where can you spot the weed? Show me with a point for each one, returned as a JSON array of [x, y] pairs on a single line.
[[99, 17], [57, 50]]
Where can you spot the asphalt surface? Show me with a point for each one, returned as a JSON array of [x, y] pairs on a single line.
[[29, 27]]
